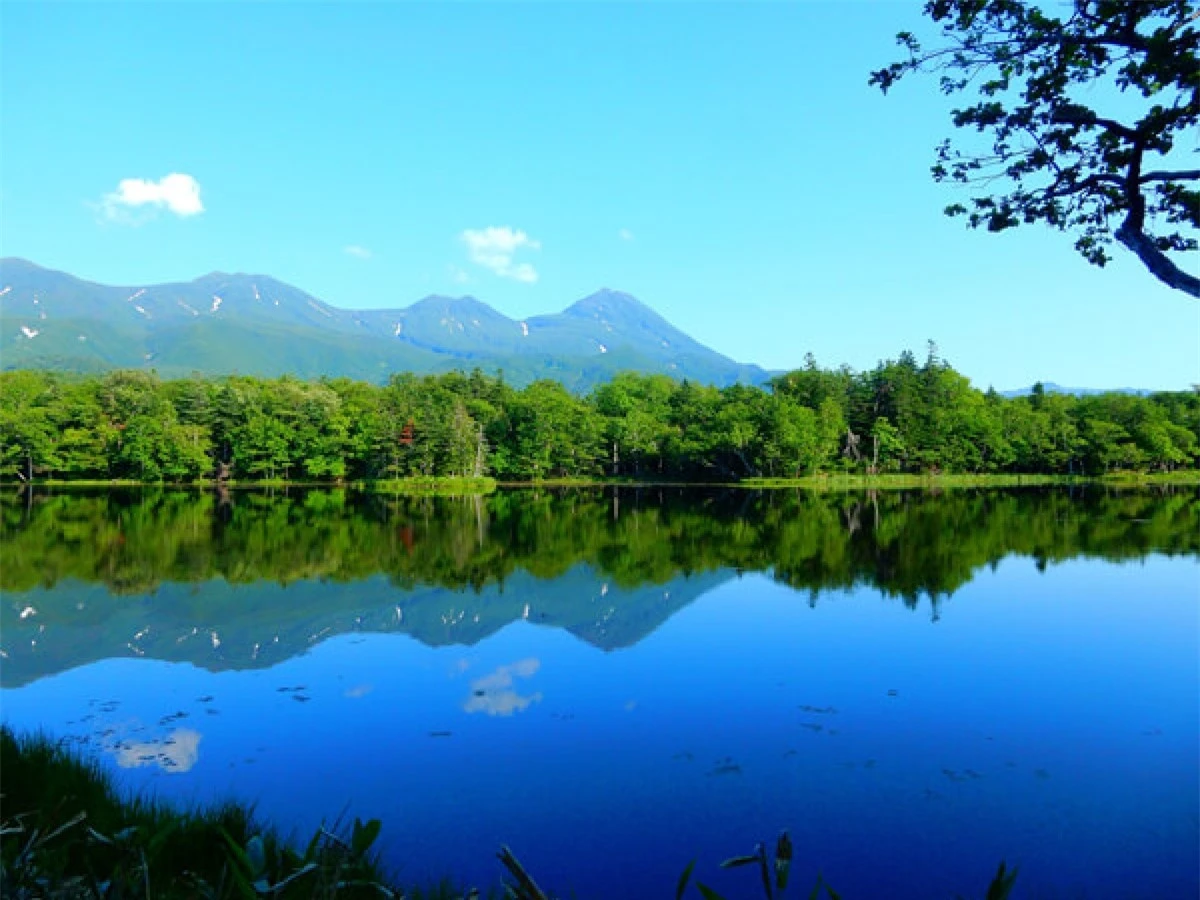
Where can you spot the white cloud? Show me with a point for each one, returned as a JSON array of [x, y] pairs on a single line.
[[494, 247], [358, 252], [176, 753], [523, 272], [494, 693], [458, 275], [625, 234], [175, 193]]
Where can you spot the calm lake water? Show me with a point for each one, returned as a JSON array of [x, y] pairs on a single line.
[[615, 683]]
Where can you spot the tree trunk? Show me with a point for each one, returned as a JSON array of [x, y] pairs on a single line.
[[479, 453]]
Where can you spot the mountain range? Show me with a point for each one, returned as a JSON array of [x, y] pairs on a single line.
[[224, 323], [1051, 388]]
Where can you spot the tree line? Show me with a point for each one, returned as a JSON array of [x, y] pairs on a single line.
[[902, 416], [908, 544]]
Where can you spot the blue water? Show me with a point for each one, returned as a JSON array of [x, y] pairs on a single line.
[[1050, 719]]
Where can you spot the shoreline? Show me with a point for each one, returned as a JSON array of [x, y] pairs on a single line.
[[450, 486]]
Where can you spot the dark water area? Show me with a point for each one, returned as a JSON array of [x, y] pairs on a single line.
[[615, 682]]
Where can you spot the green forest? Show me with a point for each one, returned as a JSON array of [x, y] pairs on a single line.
[[903, 416]]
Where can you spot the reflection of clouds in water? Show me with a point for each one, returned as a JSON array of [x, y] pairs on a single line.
[[176, 753], [360, 690], [493, 693]]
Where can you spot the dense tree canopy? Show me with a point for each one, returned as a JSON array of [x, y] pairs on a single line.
[[1090, 119], [901, 416]]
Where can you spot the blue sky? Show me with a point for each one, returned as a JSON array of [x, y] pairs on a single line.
[[726, 164]]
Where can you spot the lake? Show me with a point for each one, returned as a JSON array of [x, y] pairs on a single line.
[[614, 682]]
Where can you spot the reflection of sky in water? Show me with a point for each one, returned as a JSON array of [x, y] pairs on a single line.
[[1050, 720], [176, 753], [494, 694]]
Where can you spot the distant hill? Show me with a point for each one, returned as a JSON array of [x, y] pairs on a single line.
[[222, 323], [1051, 388]]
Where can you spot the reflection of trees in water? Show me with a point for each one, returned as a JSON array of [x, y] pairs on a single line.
[[907, 544], [608, 566]]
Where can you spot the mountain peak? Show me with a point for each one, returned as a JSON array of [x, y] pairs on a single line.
[[607, 302], [465, 305]]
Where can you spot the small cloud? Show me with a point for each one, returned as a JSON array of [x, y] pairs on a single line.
[[494, 247], [358, 252], [176, 193], [523, 272], [494, 694], [176, 753], [458, 275], [625, 234]]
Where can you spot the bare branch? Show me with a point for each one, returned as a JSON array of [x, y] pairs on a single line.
[[1157, 262], [1183, 175]]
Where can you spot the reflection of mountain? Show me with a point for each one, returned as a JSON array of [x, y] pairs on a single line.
[[252, 578], [217, 625]]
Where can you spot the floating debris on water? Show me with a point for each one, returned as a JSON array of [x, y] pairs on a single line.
[[440, 734], [725, 766], [819, 710]]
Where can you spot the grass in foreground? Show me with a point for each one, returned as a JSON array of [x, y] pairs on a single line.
[[66, 834]]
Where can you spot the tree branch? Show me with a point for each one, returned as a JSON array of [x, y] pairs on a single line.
[[1159, 264], [1081, 115], [1184, 175]]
